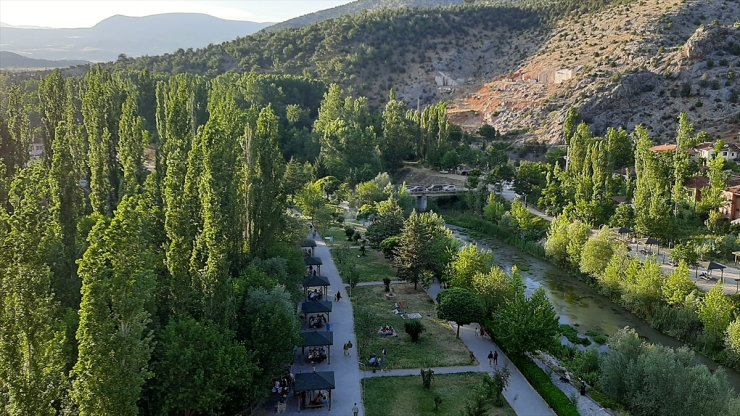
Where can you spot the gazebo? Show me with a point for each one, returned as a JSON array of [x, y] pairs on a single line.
[[711, 266], [321, 282], [317, 339], [650, 241], [306, 384], [316, 306], [309, 244], [311, 262], [624, 231]]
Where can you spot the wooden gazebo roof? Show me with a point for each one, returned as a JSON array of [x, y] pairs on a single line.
[[317, 338], [312, 261], [318, 380], [308, 243], [315, 281], [316, 306]]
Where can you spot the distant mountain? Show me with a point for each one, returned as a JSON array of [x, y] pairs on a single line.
[[357, 7], [10, 60], [132, 36]]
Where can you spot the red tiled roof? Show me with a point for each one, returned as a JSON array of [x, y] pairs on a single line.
[[664, 148]]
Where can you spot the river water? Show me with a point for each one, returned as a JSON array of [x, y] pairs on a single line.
[[577, 303]]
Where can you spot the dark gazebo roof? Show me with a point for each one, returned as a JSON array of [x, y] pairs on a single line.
[[318, 380], [316, 306], [317, 338], [715, 266], [625, 230], [651, 241], [312, 261], [308, 243], [315, 281]]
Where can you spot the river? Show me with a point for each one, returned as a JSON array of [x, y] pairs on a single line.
[[577, 303]]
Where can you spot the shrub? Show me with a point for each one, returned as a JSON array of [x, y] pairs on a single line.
[[349, 232], [387, 283], [426, 378], [414, 329], [388, 246]]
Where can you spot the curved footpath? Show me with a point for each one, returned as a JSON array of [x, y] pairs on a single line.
[[522, 397]]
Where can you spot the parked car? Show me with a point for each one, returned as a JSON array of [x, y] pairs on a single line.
[[449, 188], [434, 188], [416, 189]]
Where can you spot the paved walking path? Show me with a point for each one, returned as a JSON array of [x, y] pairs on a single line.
[[586, 405], [522, 397], [348, 390]]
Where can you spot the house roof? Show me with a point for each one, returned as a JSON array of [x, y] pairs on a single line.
[[318, 380], [710, 145], [315, 281], [317, 338], [664, 148], [316, 306], [733, 189]]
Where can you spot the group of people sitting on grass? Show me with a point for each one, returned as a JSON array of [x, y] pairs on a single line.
[[318, 321], [314, 294], [387, 331], [316, 355]]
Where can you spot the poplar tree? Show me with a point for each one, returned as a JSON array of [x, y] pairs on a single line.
[[265, 200], [100, 110], [15, 133], [217, 248], [32, 373], [397, 133], [174, 125], [113, 337], [132, 139], [52, 102], [66, 205]]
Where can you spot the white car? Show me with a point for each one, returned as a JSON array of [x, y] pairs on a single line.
[[415, 189], [450, 188]]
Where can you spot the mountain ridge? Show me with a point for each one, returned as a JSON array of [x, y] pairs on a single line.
[[127, 35]]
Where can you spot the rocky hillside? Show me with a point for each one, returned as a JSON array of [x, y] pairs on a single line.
[[639, 63]]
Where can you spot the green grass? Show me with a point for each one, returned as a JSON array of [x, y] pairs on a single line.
[[403, 396], [437, 346], [372, 267]]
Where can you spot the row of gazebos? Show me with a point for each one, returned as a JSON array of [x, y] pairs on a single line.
[[710, 266], [315, 381]]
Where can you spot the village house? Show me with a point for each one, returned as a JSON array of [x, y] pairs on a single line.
[[36, 151], [706, 151]]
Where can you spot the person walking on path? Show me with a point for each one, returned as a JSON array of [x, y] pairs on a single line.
[[490, 358], [495, 358], [338, 296], [349, 348], [355, 410], [346, 350]]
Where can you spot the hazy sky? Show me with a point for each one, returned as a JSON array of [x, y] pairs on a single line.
[[86, 13]]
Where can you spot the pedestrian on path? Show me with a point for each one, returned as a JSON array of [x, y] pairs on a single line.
[[338, 297], [349, 348], [495, 358], [355, 410], [490, 358], [346, 349]]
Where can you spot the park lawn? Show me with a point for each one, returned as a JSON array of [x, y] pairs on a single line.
[[437, 346], [372, 267], [402, 396]]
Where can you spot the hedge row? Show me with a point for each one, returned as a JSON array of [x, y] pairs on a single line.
[[541, 382]]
